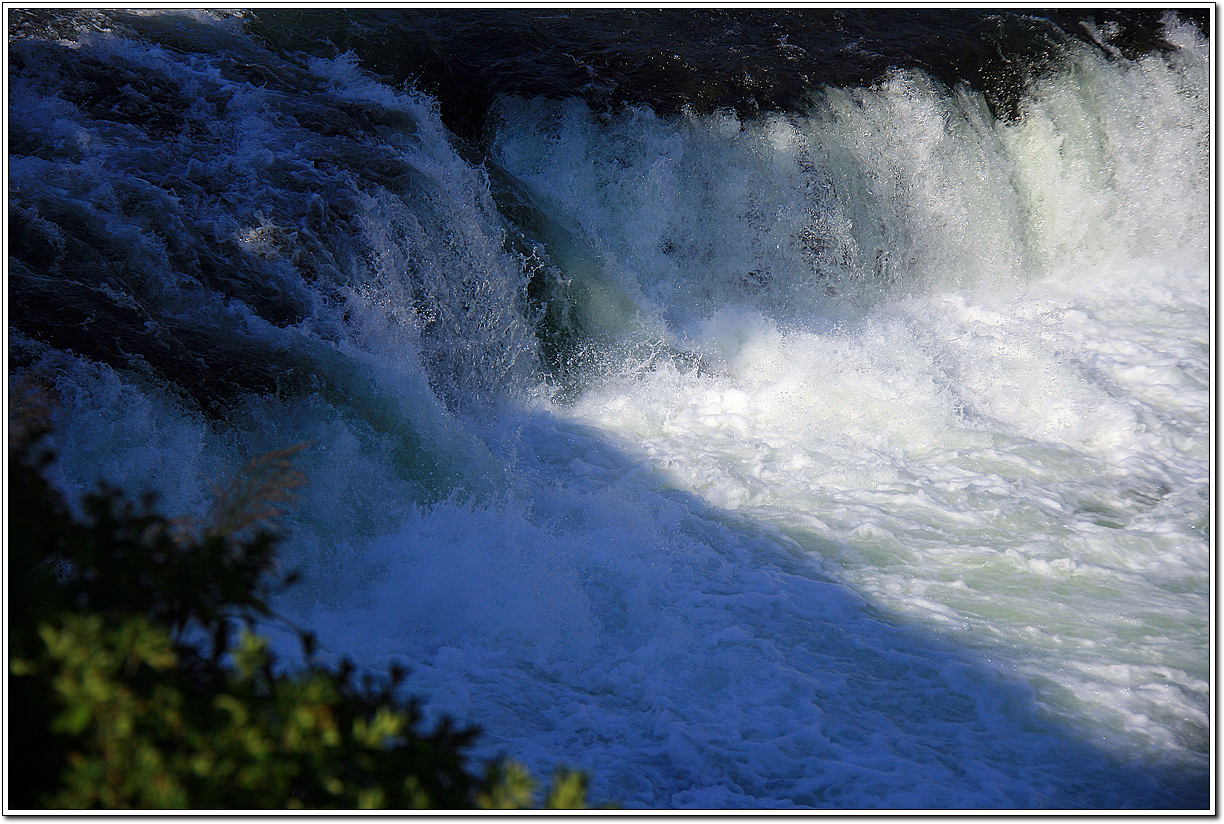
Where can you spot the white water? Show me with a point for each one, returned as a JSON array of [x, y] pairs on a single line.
[[927, 530], [1014, 452]]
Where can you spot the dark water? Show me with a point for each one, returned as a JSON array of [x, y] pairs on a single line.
[[747, 60]]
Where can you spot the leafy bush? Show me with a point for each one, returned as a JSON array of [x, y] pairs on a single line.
[[135, 679]]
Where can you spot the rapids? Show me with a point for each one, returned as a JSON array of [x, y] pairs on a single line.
[[851, 453]]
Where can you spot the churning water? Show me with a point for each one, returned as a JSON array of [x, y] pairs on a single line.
[[847, 453]]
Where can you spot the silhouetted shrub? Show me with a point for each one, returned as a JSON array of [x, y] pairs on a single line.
[[136, 681]]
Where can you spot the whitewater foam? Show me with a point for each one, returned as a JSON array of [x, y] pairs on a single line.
[[887, 486]]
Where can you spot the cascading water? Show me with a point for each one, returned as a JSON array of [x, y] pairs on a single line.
[[852, 455]]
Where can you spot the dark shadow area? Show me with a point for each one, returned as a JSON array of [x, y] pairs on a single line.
[[747, 60]]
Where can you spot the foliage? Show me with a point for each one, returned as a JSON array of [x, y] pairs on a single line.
[[129, 687]]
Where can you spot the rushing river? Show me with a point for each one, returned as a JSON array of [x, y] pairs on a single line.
[[758, 409]]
